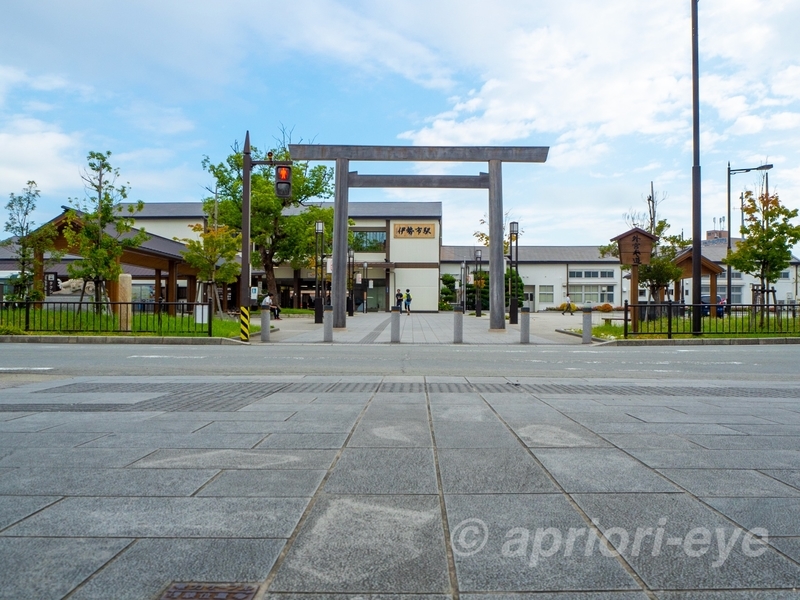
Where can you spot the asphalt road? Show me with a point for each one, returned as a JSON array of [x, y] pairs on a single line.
[[735, 363]]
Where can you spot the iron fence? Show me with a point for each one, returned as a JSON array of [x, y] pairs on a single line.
[[159, 318], [735, 320]]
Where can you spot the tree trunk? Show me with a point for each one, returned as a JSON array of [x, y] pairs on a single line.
[[269, 270]]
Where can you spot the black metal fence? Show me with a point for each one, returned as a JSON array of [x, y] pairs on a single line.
[[153, 318], [735, 320]]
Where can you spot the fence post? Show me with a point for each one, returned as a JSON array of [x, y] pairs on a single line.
[[264, 324], [395, 325], [327, 324], [458, 324], [625, 322], [210, 316], [525, 325], [587, 324], [669, 320], [27, 314]]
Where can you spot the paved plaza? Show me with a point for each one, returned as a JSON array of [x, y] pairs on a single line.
[[405, 487]]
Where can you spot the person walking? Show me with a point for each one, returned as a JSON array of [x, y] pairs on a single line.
[[568, 307], [407, 302], [398, 299]]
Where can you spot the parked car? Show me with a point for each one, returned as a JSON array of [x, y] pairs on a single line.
[[705, 309]]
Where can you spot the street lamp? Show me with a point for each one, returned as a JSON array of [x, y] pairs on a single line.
[[728, 254], [364, 285], [318, 272], [513, 303], [478, 284], [351, 267], [464, 285]]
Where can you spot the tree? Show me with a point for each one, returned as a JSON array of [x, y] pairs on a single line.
[[98, 231], [282, 230], [769, 235], [28, 242], [447, 295], [214, 256], [483, 237], [661, 272]]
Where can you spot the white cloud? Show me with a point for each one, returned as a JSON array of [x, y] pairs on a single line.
[[160, 120]]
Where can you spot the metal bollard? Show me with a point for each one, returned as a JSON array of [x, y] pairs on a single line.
[[587, 323], [458, 325], [265, 325], [525, 325], [395, 325], [327, 324]]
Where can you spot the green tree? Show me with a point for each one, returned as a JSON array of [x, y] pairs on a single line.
[[282, 230], [769, 235], [28, 243], [447, 295], [98, 230], [512, 279], [483, 237], [214, 256]]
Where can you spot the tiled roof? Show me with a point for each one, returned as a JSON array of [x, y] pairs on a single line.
[[532, 254]]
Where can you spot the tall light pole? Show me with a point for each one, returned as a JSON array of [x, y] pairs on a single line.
[[364, 284], [351, 267], [478, 286], [318, 271], [696, 213], [464, 285], [733, 172], [513, 301]]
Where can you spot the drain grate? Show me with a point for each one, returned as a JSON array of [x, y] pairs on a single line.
[[497, 388], [351, 388], [450, 388], [213, 591], [611, 390], [402, 388]]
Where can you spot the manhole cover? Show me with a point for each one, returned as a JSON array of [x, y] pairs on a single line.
[[210, 591]]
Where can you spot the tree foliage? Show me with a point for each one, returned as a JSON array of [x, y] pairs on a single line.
[[483, 237], [282, 229], [769, 235], [99, 228], [28, 243]]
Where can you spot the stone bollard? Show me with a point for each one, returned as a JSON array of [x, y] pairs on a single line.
[[525, 325], [458, 325], [587, 323], [395, 325], [264, 324], [327, 324]]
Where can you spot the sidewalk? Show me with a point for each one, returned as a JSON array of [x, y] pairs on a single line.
[[427, 328], [290, 487]]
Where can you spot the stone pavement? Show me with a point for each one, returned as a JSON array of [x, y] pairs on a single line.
[[311, 487], [427, 328]]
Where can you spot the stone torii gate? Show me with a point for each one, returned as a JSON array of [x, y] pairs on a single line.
[[344, 180]]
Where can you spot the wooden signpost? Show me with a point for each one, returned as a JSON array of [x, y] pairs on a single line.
[[635, 248]]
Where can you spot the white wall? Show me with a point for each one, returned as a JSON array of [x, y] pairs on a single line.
[[169, 228], [424, 285], [424, 250]]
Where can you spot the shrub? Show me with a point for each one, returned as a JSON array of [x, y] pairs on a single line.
[[606, 308], [563, 307], [443, 305], [9, 330]]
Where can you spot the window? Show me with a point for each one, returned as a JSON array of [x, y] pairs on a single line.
[[575, 274], [607, 294], [607, 274], [545, 293], [784, 274], [591, 293], [736, 275], [591, 274], [369, 241]]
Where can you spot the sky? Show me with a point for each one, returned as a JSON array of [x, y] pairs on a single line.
[[606, 85]]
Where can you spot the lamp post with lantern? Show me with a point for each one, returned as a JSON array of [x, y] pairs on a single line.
[[478, 283], [513, 254], [319, 273]]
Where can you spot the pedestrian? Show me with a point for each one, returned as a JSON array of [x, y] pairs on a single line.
[[568, 307], [407, 302], [398, 299]]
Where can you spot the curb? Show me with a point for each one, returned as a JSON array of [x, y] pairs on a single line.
[[107, 339], [705, 342]]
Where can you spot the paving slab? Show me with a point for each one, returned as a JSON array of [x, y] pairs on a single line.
[[165, 517], [780, 516], [264, 483], [384, 471], [103, 482], [729, 482], [790, 477], [291, 441], [491, 471], [474, 435], [496, 549], [202, 439], [149, 565], [368, 544], [392, 433], [270, 458], [600, 470], [693, 550], [73, 457], [48, 568], [16, 508]]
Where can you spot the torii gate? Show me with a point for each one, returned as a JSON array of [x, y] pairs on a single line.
[[344, 180]]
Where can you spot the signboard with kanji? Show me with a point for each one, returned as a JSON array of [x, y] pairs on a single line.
[[414, 230], [635, 247]]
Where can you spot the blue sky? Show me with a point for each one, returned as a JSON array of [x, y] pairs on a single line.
[[607, 85]]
